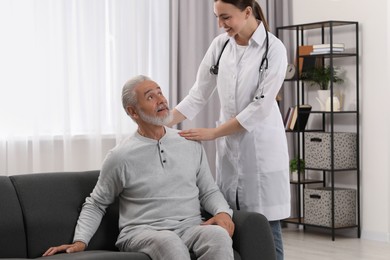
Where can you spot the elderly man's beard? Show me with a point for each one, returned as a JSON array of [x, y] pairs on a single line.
[[155, 120]]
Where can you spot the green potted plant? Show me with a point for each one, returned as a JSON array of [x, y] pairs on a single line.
[[321, 76], [294, 168]]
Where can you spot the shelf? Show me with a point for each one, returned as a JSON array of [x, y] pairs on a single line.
[[317, 25], [303, 131], [307, 181], [334, 112], [302, 221], [329, 55], [293, 220], [328, 112], [324, 122], [335, 170], [308, 131]]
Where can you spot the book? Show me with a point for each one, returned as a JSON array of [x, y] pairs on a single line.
[[327, 45], [302, 51], [300, 119], [293, 118], [307, 62], [287, 118], [328, 50]]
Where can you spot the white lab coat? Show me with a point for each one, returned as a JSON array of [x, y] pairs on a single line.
[[253, 164]]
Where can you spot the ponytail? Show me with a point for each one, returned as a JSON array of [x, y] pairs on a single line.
[[258, 13]]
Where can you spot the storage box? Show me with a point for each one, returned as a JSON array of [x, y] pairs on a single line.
[[318, 207], [318, 152]]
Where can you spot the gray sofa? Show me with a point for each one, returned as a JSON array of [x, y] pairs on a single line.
[[41, 210]]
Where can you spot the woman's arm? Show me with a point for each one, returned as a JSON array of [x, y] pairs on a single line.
[[177, 118], [231, 126]]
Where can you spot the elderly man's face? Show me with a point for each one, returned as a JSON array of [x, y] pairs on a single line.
[[152, 105]]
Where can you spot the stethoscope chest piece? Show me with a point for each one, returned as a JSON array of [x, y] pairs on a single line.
[[214, 69]]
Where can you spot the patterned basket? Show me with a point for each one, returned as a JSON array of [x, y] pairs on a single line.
[[318, 150], [318, 207]]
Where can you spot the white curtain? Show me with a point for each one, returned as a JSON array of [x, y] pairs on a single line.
[[193, 27], [63, 64]]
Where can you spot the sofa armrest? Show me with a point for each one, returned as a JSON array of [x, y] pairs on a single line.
[[252, 237]]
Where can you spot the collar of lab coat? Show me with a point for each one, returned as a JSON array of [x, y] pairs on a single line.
[[258, 37]]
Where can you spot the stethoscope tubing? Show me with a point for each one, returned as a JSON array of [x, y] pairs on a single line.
[[264, 61], [214, 68]]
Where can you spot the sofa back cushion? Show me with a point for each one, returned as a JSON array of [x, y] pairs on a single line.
[[12, 236], [51, 204]]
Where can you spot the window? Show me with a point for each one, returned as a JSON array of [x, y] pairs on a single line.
[[63, 62]]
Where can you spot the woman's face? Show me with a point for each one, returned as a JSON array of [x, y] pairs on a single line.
[[230, 17]]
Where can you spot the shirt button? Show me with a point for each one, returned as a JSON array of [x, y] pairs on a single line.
[[162, 151], [164, 161]]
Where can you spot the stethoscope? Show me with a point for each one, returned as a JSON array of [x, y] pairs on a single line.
[[263, 66]]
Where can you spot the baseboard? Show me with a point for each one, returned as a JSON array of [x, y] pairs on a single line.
[[376, 236]]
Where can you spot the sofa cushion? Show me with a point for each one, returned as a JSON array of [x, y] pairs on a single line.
[[106, 255], [98, 255], [12, 237], [51, 220]]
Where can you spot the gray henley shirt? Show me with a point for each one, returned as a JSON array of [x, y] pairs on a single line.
[[160, 184]]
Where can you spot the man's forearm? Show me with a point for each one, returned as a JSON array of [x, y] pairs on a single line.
[[88, 222]]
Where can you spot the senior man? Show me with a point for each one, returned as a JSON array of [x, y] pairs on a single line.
[[163, 181]]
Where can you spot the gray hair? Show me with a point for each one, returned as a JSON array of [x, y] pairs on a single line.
[[128, 94]]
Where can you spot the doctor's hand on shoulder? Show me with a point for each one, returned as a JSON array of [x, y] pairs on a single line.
[[231, 126], [199, 134]]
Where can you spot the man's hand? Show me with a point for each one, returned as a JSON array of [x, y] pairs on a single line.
[[222, 219], [72, 248]]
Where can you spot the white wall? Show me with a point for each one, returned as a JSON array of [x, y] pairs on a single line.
[[374, 20]]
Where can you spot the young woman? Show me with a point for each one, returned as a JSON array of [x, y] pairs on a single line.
[[247, 65]]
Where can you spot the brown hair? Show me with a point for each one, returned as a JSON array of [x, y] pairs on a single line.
[[242, 4]]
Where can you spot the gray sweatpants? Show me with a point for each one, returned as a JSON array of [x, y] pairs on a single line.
[[208, 242]]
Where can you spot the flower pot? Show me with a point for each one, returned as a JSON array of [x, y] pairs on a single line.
[[294, 176], [325, 101], [323, 95]]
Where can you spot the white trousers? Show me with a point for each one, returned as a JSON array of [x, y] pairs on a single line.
[[208, 242]]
